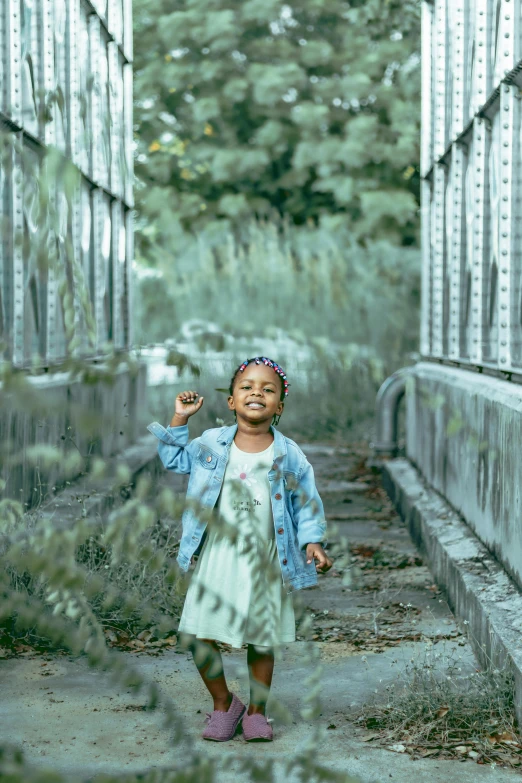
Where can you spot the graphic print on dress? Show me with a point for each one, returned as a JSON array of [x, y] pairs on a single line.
[[245, 474], [244, 500]]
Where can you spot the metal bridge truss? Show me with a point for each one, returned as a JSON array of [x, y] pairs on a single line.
[[472, 184], [65, 83]]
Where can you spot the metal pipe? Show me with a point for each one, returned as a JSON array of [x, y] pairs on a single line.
[[387, 414]]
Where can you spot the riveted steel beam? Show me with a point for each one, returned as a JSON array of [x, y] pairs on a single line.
[[455, 250], [33, 107], [490, 302], [127, 31], [116, 120], [47, 109], [438, 260], [470, 60], [128, 307], [476, 242], [504, 40], [426, 299], [117, 270], [95, 107], [510, 255], [6, 249], [483, 83], [115, 20], [4, 54], [440, 78], [468, 216], [79, 223], [11, 60], [427, 76], [16, 229], [128, 137], [458, 61], [61, 108], [102, 256]]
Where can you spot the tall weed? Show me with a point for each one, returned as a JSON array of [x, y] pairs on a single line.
[[311, 282]]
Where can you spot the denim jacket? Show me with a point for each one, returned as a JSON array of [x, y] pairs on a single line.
[[296, 506]]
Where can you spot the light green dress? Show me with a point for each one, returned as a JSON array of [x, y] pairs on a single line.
[[236, 593]]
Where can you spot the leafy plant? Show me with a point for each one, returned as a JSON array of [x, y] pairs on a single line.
[[262, 108]]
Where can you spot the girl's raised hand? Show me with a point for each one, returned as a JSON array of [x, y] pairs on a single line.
[[187, 404]]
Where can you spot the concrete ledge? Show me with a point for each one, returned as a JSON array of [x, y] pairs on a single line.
[[463, 433], [477, 587], [88, 498]]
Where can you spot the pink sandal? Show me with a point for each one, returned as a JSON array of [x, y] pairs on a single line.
[[222, 726], [257, 728]]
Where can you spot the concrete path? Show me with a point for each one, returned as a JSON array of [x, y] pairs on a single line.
[[73, 719]]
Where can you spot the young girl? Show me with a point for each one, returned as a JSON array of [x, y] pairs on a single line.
[[261, 545]]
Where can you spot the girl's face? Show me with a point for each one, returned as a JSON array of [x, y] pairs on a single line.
[[256, 394]]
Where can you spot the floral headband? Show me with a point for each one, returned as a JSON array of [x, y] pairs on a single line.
[[269, 363]]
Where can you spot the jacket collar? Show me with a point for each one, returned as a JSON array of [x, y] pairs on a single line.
[[227, 434]]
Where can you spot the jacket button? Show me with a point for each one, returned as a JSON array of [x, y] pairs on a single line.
[[278, 496], [280, 531], [209, 458], [285, 561], [274, 466]]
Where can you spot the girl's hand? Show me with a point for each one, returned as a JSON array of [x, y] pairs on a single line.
[[316, 551], [187, 404]]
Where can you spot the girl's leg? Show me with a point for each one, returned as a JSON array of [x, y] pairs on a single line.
[[261, 668], [210, 666]]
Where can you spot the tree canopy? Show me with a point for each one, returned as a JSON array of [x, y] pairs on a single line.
[[256, 107]]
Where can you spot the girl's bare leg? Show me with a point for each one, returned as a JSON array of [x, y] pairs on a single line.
[[261, 668], [210, 666]]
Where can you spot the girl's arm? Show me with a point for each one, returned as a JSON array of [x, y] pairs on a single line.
[[308, 510], [174, 450], [311, 524]]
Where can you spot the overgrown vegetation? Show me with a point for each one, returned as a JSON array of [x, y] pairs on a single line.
[[130, 581], [437, 707], [314, 284]]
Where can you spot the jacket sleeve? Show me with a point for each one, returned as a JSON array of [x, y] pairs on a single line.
[[174, 450], [308, 510]]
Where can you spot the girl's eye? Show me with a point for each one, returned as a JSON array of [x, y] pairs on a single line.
[[270, 390]]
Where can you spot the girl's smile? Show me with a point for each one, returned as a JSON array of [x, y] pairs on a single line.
[[257, 397]]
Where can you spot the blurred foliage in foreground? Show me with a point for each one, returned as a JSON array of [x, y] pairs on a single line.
[[266, 109], [14, 769]]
